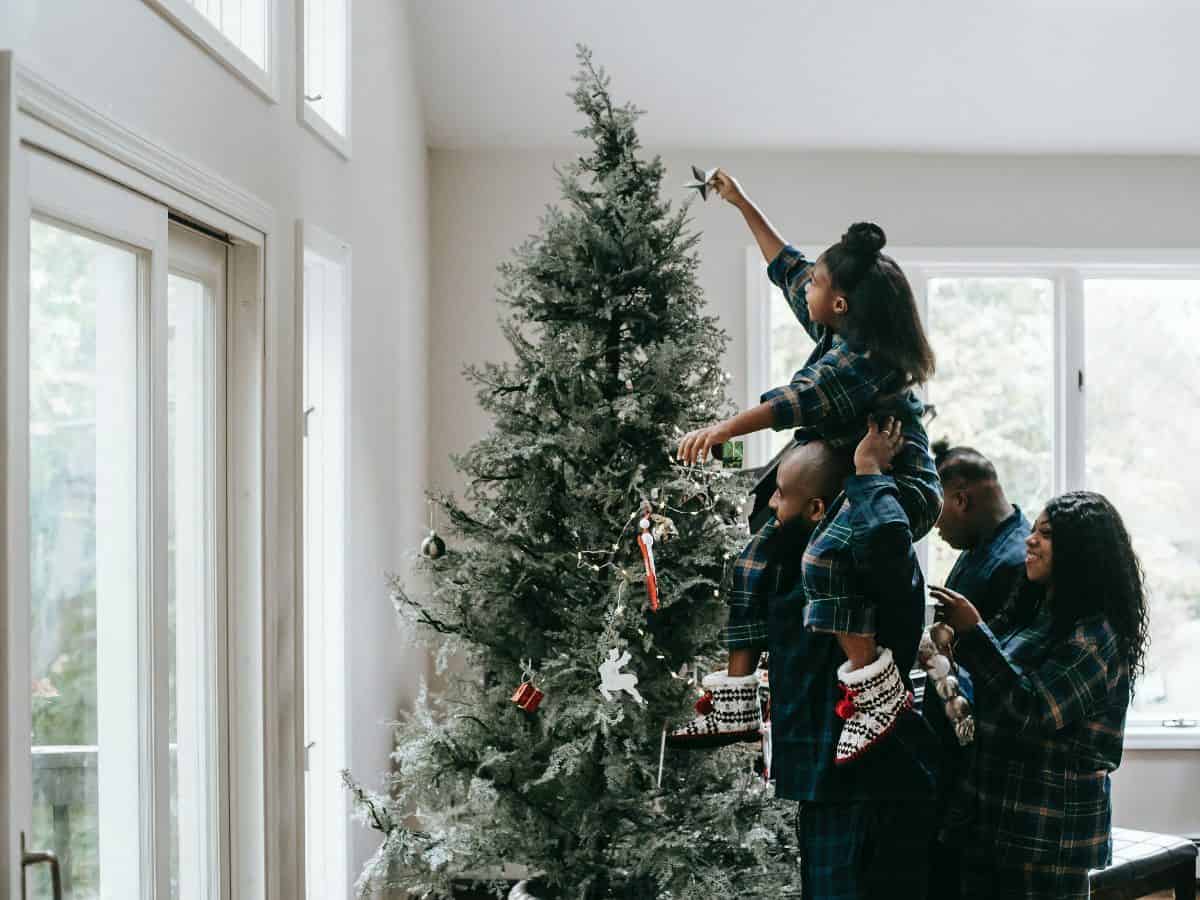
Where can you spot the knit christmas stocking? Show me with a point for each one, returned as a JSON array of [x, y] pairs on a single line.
[[873, 698], [728, 714]]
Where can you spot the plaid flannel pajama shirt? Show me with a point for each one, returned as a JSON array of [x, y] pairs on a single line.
[[830, 398], [1050, 724], [747, 626]]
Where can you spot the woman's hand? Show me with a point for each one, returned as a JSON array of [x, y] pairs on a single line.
[[726, 185], [879, 447], [696, 445], [957, 610]]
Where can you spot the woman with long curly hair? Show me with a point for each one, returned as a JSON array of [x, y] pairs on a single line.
[[1053, 676]]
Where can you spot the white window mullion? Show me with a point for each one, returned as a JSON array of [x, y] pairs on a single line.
[[196, 363], [220, 363], [193, 643], [1070, 432], [123, 740], [918, 279], [155, 652]]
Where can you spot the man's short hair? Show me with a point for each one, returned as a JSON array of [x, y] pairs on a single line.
[[827, 468], [962, 464]]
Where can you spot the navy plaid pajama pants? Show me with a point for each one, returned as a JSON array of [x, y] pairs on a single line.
[[982, 879], [865, 849]]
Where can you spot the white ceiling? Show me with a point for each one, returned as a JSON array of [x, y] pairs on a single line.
[[1058, 76]]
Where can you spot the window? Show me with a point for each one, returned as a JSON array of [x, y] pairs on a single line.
[[126, 446], [994, 387], [325, 104], [790, 347], [1069, 370], [239, 33], [1142, 343], [326, 295], [136, 388], [84, 559]]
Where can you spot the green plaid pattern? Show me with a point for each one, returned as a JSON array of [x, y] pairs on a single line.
[[863, 849], [1050, 727], [747, 626], [836, 599], [982, 879]]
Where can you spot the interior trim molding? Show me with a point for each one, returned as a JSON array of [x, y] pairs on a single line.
[[47, 103]]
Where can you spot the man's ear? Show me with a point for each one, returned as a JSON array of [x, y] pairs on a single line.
[[840, 306], [816, 509], [963, 498]]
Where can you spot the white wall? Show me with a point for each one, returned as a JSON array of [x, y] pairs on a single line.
[[483, 203], [124, 59]]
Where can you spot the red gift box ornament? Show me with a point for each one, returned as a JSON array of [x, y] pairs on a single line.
[[527, 697], [845, 707]]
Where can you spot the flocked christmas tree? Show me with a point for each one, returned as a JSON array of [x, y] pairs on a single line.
[[543, 577]]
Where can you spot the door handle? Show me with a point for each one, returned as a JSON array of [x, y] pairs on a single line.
[[34, 858]]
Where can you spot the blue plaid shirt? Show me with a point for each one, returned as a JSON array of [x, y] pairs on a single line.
[[1050, 726], [986, 573], [803, 664], [840, 382]]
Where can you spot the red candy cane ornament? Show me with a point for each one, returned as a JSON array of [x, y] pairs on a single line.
[[646, 545]]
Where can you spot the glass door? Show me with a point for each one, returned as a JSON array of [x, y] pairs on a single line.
[[114, 595], [96, 259]]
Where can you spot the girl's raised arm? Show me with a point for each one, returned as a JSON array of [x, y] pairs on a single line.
[[769, 240]]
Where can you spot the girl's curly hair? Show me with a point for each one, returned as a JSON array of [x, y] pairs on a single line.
[[1096, 571]]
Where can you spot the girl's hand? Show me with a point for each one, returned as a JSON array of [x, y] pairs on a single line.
[[957, 610], [727, 187], [879, 447], [696, 444]]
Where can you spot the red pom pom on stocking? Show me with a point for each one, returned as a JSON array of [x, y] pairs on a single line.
[[845, 707]]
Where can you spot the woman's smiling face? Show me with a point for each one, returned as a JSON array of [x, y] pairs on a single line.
[[1039, 551]]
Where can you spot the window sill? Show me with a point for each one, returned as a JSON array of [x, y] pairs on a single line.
[[316, 123], [193, 24], [1156, 737]]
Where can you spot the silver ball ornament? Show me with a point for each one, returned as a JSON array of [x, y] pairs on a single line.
[[964, 730], [939, 666], [941, 634], [947, 687], [522, 891], [957, 708], [926, 648], [433, 546]]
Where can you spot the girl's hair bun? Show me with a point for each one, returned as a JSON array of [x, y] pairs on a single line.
[[864, 239]]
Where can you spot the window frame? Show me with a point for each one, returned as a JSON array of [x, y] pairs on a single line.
[[309, 116], [332, 252], [265, 858], [188, 257], [1068, 269], [264, 81]]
